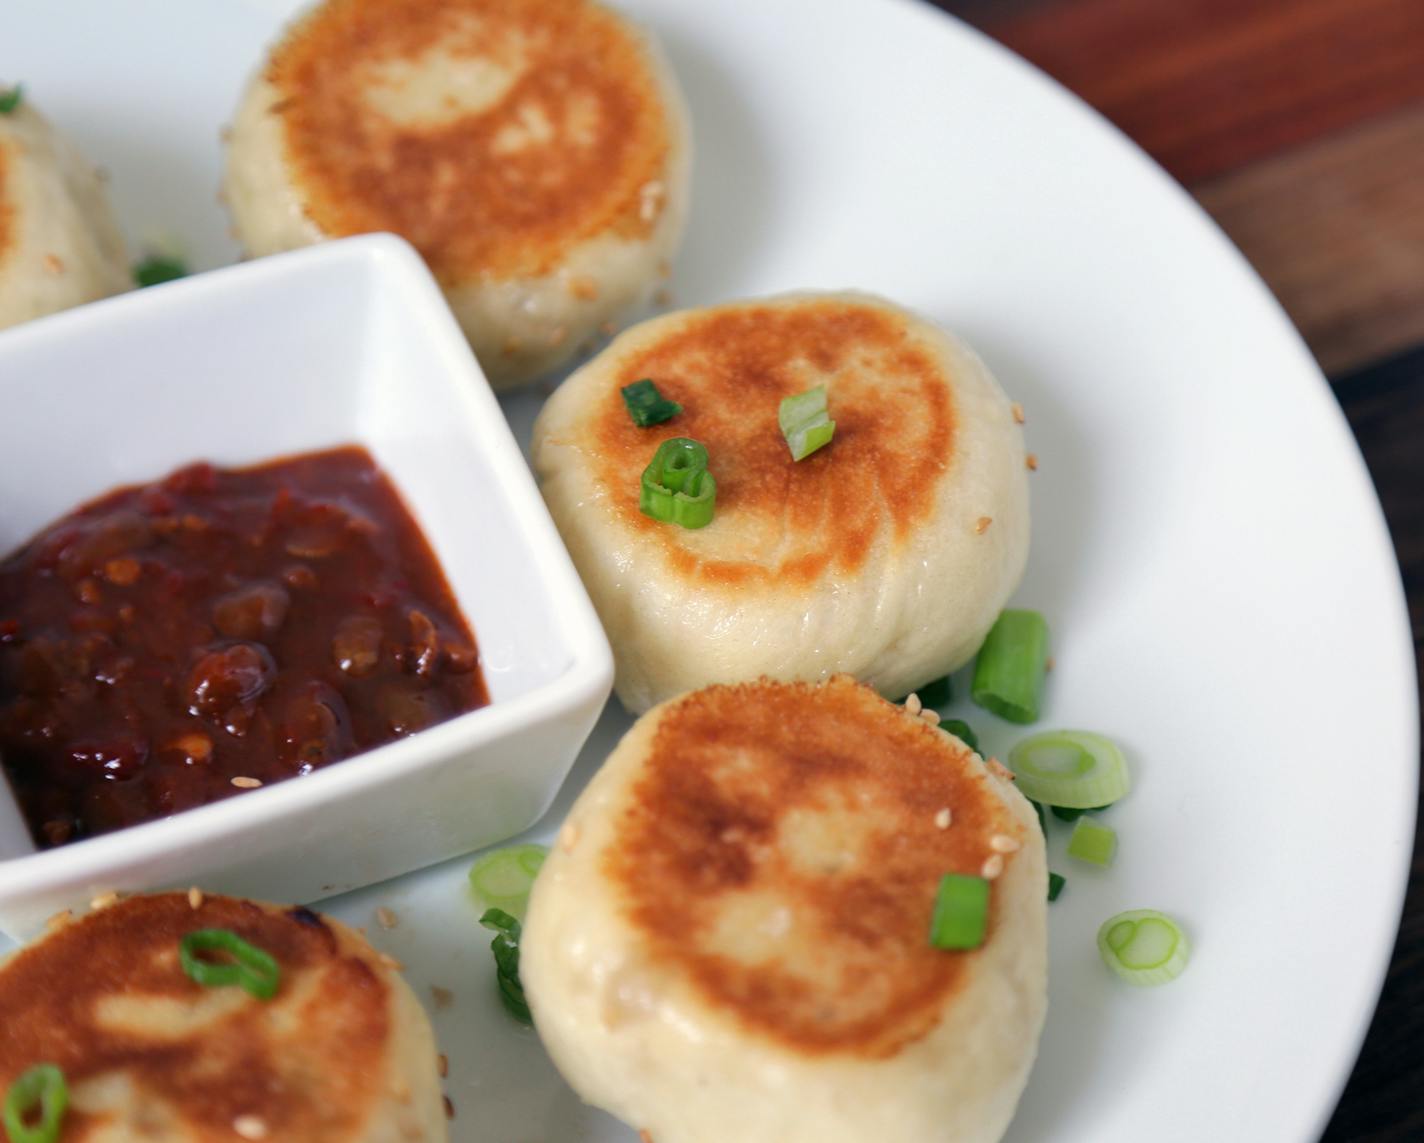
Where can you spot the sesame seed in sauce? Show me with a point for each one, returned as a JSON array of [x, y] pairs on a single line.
[[386, 918], [54, 264], [930, 716], [442, 1065], [246, 783], [981, 525], [250, 1126], [912, 703], [58, 920], [1003, 843], [992, 867], [195, 898], [1000, 770], [1018, 412], [645, 1137], [104, 900], [391, 963], [568, 837], [1032, 461], [943, 818]]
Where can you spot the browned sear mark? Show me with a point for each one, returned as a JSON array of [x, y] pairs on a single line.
[[767, 802]]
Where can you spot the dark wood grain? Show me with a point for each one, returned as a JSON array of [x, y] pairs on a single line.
[[1299, 124], [1209, 86]]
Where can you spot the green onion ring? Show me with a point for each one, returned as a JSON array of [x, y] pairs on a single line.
[[1076, 769], [41, 1088], [503, 878], [676, 486], [250, 967], [1144, 946]]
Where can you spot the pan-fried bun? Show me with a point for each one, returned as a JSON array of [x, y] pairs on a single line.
[[887, 554], [730, 938], [343, 1052], [59, 244], [536, 152]]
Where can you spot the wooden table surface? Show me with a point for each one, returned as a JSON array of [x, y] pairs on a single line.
[[1299, 126]]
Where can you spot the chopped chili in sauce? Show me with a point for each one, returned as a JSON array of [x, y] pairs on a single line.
[[255, 623]]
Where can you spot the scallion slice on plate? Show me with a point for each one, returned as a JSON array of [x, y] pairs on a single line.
[[1092, 842], [805, 423], [1076, 769], [502, 879], [505, 947], [937, 693], [11, 98], [159, 268], [677, 488], [1008, 674], [35, 1105], [961, 912], [1144, 946], [1056, 881]]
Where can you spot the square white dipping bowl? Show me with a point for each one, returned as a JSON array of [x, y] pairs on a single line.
[[347, 342]]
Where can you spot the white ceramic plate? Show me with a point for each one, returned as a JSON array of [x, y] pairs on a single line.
[[1207, 546]]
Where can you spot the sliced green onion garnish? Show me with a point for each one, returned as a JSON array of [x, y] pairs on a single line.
[[1092, 842], [677, 487], [1064, 814], [1144, 946], [961, 731], [1074, 769], [1008, 674], [1055, 885], [646, 405], [936, 694], [158, 269], [502, 879], [250, 968], [805, 423], [1042, 816], [961, 912], [35, 1105], [505, 947], [11, 98]]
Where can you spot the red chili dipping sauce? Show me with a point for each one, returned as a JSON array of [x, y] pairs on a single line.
[[173, 644]]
